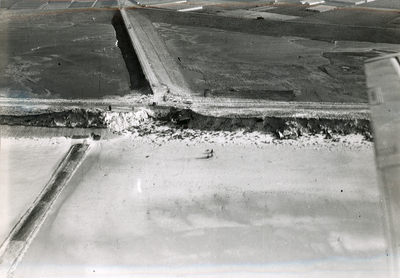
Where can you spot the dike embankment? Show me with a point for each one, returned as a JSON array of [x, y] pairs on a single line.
[[283, 124], [286, 119]]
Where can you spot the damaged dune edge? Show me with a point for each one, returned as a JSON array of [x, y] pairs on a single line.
[[284, 126]]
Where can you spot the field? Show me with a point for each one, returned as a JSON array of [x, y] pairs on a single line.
[[246, 66], [67, 55]]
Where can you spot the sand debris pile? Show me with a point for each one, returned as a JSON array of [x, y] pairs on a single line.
[[122, 121]]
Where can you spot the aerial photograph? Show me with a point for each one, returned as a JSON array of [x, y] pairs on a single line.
[[199, 138]]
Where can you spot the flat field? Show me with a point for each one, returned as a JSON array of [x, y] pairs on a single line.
[[238, 65], [66, 54]]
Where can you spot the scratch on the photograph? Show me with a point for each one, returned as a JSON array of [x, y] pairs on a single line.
[[139, 185]]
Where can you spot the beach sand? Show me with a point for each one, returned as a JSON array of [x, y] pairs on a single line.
[[155, 206]]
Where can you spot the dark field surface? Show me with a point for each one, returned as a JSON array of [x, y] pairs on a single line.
[[75, 54], [387, 4], [316, 58], [377, 14], [358, 16], [246, 66], [65, 55], [376, 32]]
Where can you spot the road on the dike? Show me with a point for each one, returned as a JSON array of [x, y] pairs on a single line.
[[149, 207]]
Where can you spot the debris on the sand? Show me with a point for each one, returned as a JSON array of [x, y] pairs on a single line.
[[279, 134], [187, 101], [145, 99], [328, 134], [300, 132], [180, 117], [172, 98], [95, 137], [120, 121], [368, 136], [288, 133]]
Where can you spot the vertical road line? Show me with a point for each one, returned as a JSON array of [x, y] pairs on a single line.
[[18, 241]]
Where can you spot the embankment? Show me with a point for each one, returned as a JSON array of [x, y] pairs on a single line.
[[288, 126]]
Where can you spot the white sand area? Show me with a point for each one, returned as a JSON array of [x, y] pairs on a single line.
[[156, 207]]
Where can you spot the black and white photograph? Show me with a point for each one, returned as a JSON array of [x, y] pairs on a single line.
[[199, 138]]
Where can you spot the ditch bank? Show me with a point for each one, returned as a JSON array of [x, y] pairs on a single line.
[[78, 117], [139, 118]]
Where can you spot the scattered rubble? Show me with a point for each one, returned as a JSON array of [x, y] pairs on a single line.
[[145, 99], [120, 121], [288, 133], [95, 137], [368, 136]]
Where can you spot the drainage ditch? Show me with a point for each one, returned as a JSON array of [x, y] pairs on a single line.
[[136, 75]]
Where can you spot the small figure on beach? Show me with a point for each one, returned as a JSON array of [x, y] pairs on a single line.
[[209, 153], [205, 154]]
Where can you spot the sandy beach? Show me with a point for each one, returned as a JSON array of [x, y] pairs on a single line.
[[26, 165], [157, 205]]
